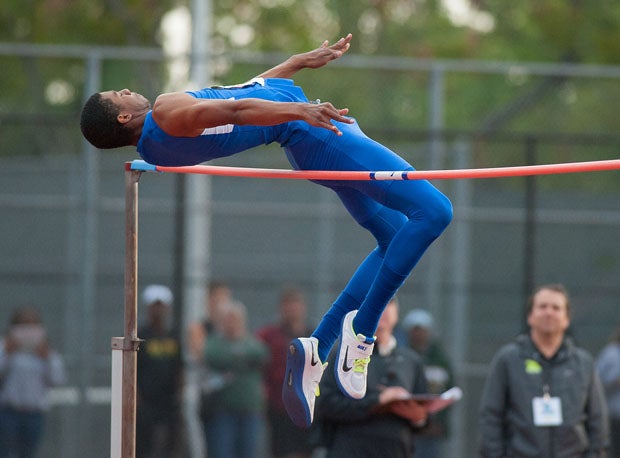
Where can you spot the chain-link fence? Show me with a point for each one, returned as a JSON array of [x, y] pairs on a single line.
[[62, 205]]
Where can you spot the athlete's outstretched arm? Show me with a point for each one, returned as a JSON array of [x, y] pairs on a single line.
[[312, 59], [182, 115]]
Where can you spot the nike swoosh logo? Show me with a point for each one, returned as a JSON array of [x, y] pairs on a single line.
[[314, 361], [346, 368]]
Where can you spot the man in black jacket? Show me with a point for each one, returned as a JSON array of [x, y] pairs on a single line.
[[383, 422], [542, 397]]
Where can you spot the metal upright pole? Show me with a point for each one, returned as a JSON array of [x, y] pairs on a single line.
[[197, 205], [124, 370], [197, 228]]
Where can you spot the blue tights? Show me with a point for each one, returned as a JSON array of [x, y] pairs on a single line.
[[404, 217], [401, 242]]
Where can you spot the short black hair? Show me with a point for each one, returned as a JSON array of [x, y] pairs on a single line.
[[100, 125]]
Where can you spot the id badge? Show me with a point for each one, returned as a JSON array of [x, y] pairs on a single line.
[[547, 411]]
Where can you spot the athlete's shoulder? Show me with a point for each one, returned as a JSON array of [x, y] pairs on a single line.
[[171, 99]]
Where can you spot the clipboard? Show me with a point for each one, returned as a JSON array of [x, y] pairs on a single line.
[[432, 402], [437, 402]]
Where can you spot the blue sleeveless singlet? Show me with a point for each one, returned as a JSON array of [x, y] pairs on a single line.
[[157, 147]]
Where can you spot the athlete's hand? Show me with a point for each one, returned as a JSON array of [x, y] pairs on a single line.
[[323, 54], [322, 115], [311, 59]]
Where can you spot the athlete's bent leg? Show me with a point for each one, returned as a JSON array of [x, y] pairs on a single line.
[[423, 225], [428, 214], [383, 223]]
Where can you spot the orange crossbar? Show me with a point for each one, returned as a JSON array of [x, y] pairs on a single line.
[[493, 172]]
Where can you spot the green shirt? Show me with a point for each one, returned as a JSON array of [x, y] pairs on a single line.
[[240, 364]]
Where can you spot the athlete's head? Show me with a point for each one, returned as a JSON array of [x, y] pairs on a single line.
[[109, 118]]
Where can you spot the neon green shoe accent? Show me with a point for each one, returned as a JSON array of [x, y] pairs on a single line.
[[317, 390], [359, 365]]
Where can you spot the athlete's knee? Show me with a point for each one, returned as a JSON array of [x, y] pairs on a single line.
[[441, 212], [437, 214]]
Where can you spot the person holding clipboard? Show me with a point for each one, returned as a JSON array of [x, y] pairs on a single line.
[[395, 406]]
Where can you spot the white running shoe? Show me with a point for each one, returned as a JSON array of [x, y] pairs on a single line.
[[301, 381], [353, 358]]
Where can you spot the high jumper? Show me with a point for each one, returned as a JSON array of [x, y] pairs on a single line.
[[405, 217]]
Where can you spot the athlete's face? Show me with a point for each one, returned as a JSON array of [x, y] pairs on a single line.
[[126, 100]]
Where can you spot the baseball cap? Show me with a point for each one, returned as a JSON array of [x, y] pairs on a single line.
[[418, 317], [157, 293]]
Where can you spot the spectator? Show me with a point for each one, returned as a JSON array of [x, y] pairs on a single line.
[[381, 424], [419, 327], [29, 366], [286, 439], [608, 367], [233, 414], [542, 396], [219, 295], [160, 379]]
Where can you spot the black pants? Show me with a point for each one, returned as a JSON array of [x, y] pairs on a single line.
[[157, 432], [614, 436]]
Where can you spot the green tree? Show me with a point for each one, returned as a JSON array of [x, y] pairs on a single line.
[[101, 22]]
